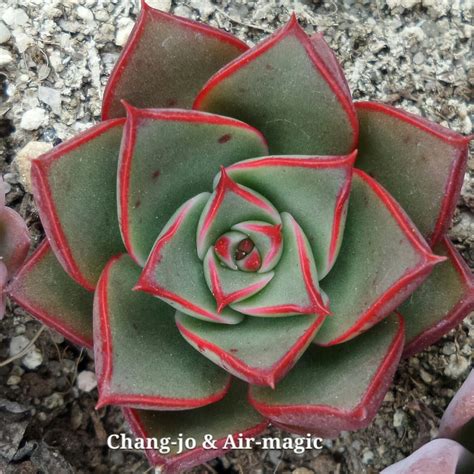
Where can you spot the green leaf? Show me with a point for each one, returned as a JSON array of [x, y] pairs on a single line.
[[224, 421], [45, 290], [420, 163], [313, 189], [166, 61], [75, 191], [284, 89], [229, 204], [382, 260], [258, 350], [141, 359], [229, 286], [336, 388], [174, 271], [294, 289], [168, 157], [440, 303]]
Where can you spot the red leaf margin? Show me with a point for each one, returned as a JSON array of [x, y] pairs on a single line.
[[145, 13], [456, 176], [292, 27], [457, 313], [104, 366], [49, 217], [177, 464], [330, 420], [50, 320], [255, 375]]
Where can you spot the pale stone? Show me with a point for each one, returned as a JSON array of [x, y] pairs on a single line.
[[5, 57], [86, 381], [23, 160], [5, 34], [33, 119], [163, 5], [124, 28], [51, 97]]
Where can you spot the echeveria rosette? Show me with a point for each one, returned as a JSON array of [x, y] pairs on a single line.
[[255, 223]]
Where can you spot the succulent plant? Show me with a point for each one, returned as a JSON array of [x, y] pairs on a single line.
[[235, 200], [14, 244], [453, 451]]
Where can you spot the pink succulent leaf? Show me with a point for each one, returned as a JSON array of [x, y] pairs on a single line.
[[313, 400], [260, 351], [458, 419], [45, 290], [383, 259], [294, 289], [285, 89], [229, 204], [440, 456], [405, 152], [227, 246], [174, 272], [75, 191], [440, 303], [165, 62], [231, 416], [161, 371], [313, 189], [167, 157], [3, 281]]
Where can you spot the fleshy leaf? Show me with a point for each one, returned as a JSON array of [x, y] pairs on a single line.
[[258, 350], [75, 190], [267, 238], [174, 272], [420, 163], [225, 420], [383, 259], [45, 290], [169, 156], [313, 189], [226, 248], [165, 62], [229, 204], [458, 419], [440, 456], [229, 286], [294, 289], [283, 88], [440, 303], [316, 401], [141, 359]]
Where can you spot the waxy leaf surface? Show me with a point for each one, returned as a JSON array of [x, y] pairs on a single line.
[[167, 157], [75, 189], [420, 163], [258, 350], [174, 271], [230, 417], [44, 289], [165, 62], [284, 89], [335, 388], [382, 260], [141, 359]]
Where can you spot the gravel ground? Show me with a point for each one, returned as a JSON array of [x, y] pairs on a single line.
[[55, 57]]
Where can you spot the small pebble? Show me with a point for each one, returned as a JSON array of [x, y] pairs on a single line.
[[399, 418], [5, 57], [23, 159], [13, 380], [5, 34], [33, 119], [51, 97], [368, 457], [163, 5], [124, 28], [33, 359], [86, 381]]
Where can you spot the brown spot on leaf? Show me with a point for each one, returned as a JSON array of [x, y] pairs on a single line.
[[233, 350], [225, 138], [171, 102], [156, 174], [138, 203], [269, 67]]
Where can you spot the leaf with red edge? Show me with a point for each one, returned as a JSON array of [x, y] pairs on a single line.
[[229, 204], [230, 418], [313, 189], [165, 62], [75, 189], [336, 388], [167, 157], [141, 359], [284, 88], [45, 290], [458, 419], [294, 289], [440, 456], [419, 162], [383, 259], [440, 303], [174, 271], [258, 350]]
